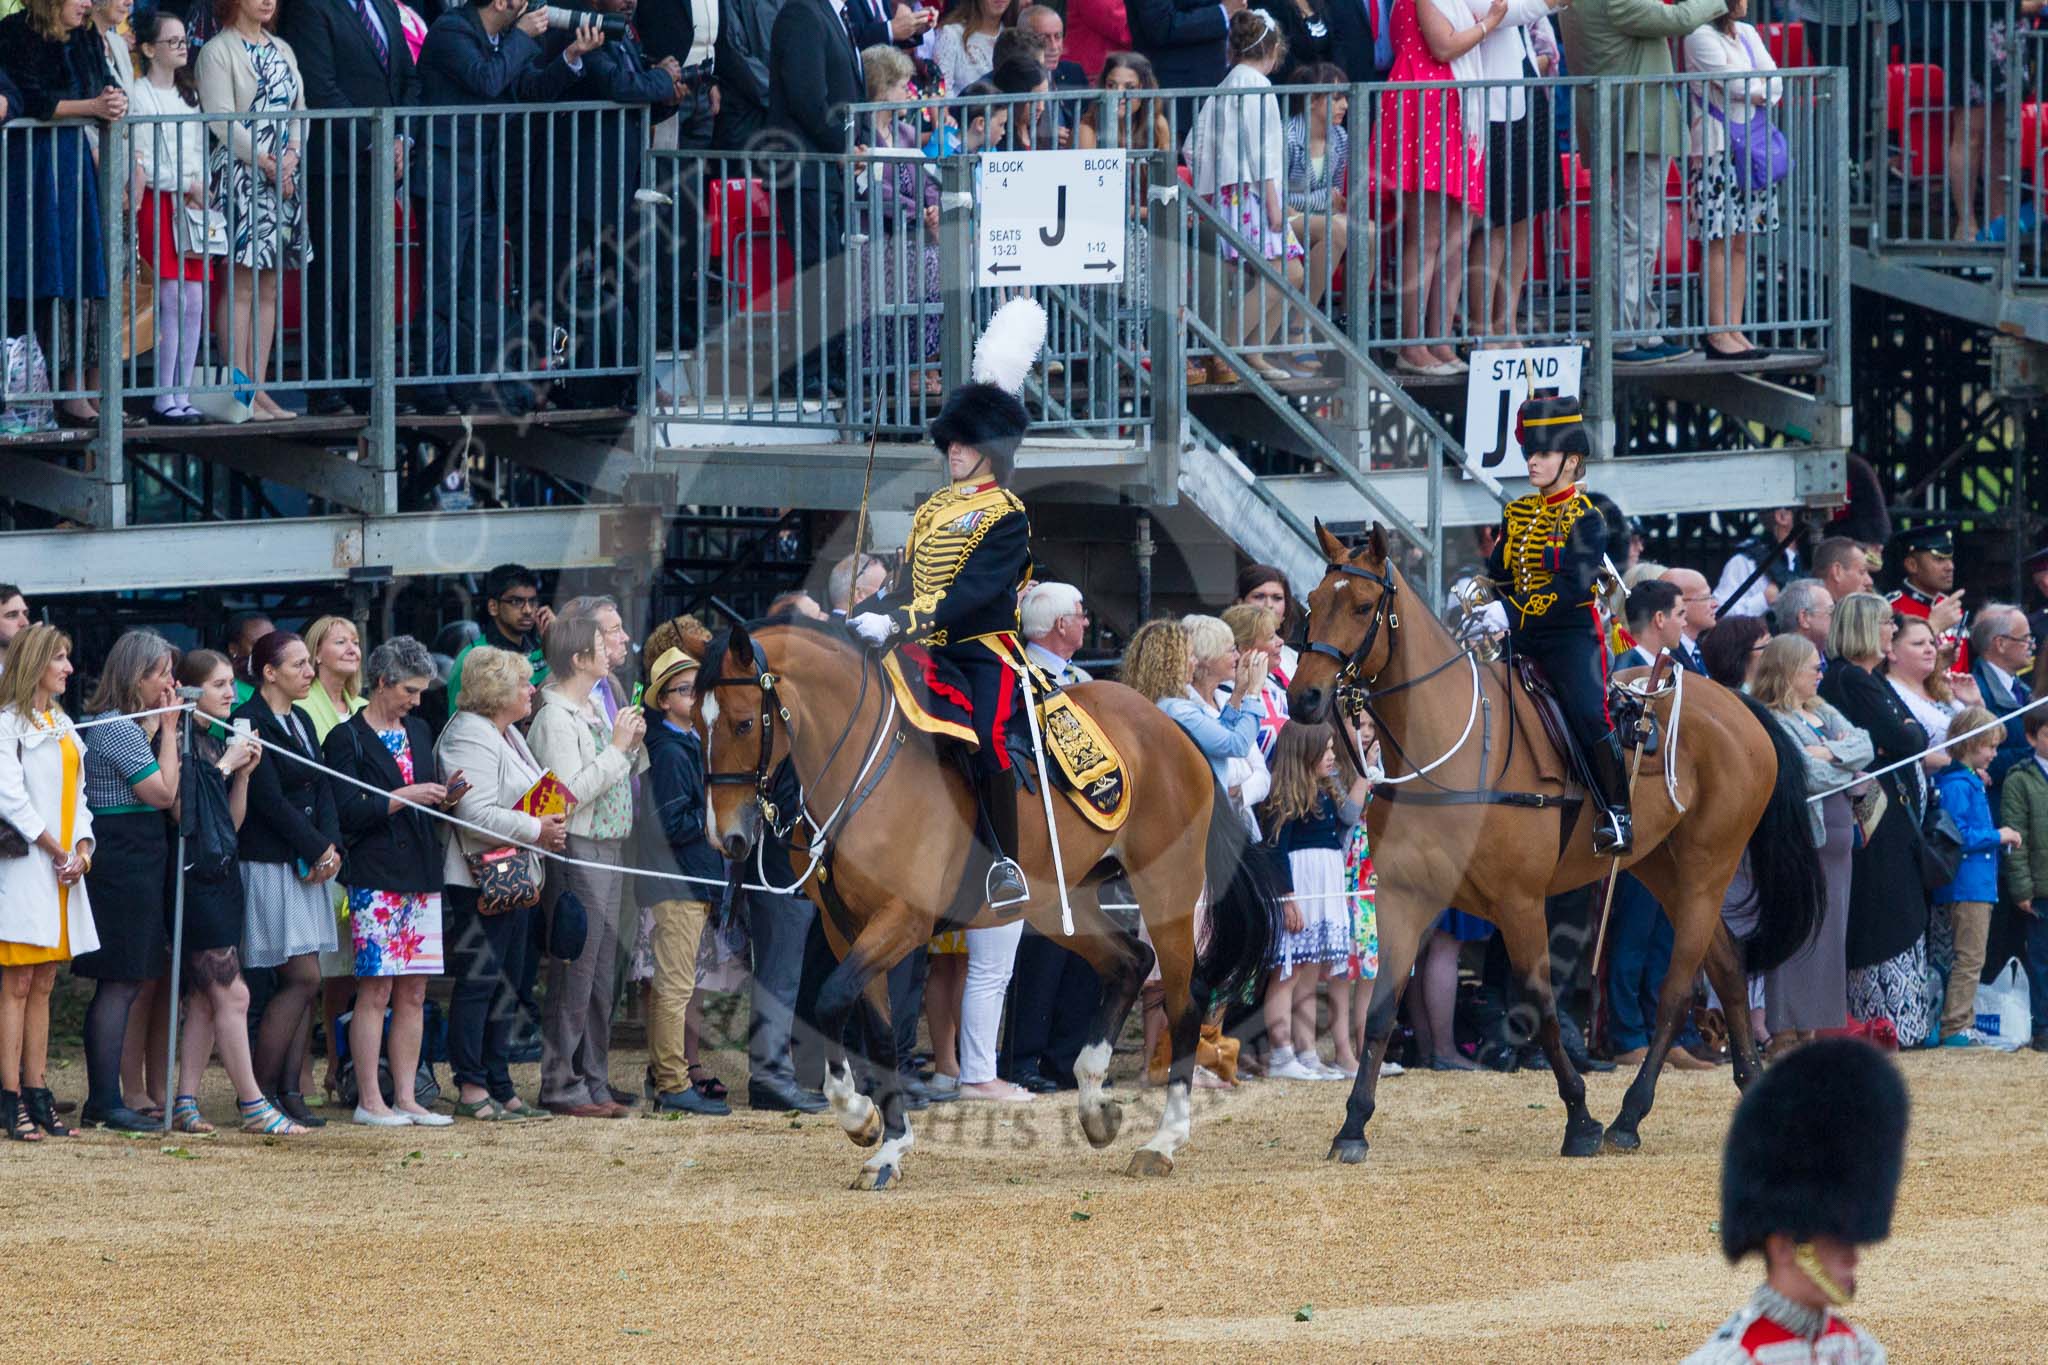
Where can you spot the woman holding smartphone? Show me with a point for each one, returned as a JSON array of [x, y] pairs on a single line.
[[393, 874]]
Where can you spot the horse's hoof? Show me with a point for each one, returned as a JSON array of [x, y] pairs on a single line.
[[870, 1130], [879, 1178], [1620, 1139], [1146, 1162], [1350, 1151], [1102, 1123], [1582, 1139]]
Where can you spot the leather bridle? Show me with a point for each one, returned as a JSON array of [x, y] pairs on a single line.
[[764, 682], [880, 750], [1382, 611]]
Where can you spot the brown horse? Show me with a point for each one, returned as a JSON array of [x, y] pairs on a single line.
[[898, 821], [1478, 817]]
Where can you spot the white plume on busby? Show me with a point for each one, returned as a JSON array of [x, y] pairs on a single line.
[[1816, 1149], [986, 413]]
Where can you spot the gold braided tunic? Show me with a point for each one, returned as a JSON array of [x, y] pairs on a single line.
[[1549, 554], [968, 554]]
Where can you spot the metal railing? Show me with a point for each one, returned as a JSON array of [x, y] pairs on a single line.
[[394, 252], [1944, 127], [516, 246]]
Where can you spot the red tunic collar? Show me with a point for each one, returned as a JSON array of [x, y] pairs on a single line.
[[1563, 495]]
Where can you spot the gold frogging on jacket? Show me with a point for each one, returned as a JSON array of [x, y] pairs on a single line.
[[947, 528], [1537, 528]]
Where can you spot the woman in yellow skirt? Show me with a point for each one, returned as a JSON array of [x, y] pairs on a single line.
[[44, 914]]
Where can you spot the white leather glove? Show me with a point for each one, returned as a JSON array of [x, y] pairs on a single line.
[[873, 626]]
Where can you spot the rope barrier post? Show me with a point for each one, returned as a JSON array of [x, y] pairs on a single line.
[[188, 698]]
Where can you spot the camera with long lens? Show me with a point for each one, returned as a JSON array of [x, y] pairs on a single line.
[[561, 17]]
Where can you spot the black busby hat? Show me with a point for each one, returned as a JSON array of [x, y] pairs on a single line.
[[986, 413], [1816, 1149], [1553, 424]]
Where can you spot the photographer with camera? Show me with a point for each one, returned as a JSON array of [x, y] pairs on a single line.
[[485, 52]]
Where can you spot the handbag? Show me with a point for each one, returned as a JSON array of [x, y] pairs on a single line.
[[13, 843], [1757, 150], [1939, 846], [506, 878], [199, 231], [206, 823], [568, 928]]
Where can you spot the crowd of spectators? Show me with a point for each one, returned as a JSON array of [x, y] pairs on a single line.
[[504, 210], [318, 872], [1928, 852]]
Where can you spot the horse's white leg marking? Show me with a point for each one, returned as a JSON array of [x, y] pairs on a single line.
[[855, 1111], [1100, 1117], [1173, 1121], [885, 1167]]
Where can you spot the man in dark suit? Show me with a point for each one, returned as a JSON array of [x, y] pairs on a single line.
[[353, 55], [1362, 38], [486, 52], [866, 26], [2002, 654], [741, 63], [1184, 41], [584, 215], [1696, 618], [685, 32], [814, 74]]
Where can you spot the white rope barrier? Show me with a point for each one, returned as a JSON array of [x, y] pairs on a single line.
[[1997, 724]]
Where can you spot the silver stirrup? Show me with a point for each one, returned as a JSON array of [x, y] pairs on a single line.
[[988, 885]]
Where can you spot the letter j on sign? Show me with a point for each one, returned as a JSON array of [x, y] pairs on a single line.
[[1051, 218], [1500, 382]]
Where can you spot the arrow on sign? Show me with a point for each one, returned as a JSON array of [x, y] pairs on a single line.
[[1100, 265], [1059, 221], [1004, 269]]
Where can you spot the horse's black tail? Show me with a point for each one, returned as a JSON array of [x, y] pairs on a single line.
[[1243, 910], [1785, 876]]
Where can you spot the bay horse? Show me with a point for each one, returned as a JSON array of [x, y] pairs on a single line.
[[1485, 823], [899, 824]]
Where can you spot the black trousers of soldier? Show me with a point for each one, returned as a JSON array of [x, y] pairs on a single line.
[[1576, 663]]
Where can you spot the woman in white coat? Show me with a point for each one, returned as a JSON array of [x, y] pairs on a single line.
[[45, 917]]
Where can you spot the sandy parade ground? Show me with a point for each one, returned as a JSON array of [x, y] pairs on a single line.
[[1462, 1238]]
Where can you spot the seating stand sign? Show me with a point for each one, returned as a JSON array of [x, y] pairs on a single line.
[[1051, 218], [1500, 382]]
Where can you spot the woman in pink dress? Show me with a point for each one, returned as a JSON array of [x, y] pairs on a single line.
[[1431, 152]]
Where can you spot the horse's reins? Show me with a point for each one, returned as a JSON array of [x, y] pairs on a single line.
[[858, 790], [1348, 686]]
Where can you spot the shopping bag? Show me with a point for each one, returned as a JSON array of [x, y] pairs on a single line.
[[27, 373], [2004, 1016], [230, 392]]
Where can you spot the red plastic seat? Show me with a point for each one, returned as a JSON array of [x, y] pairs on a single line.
[[760, 266], [1567, 238], [1679, 256], [1786, 43], [1916, 110], [2033, 167]]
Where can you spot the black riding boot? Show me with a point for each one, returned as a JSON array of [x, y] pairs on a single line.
[[1005, 886], [1615, 834]]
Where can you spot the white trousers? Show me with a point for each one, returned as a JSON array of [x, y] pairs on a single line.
[[991, 953]]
